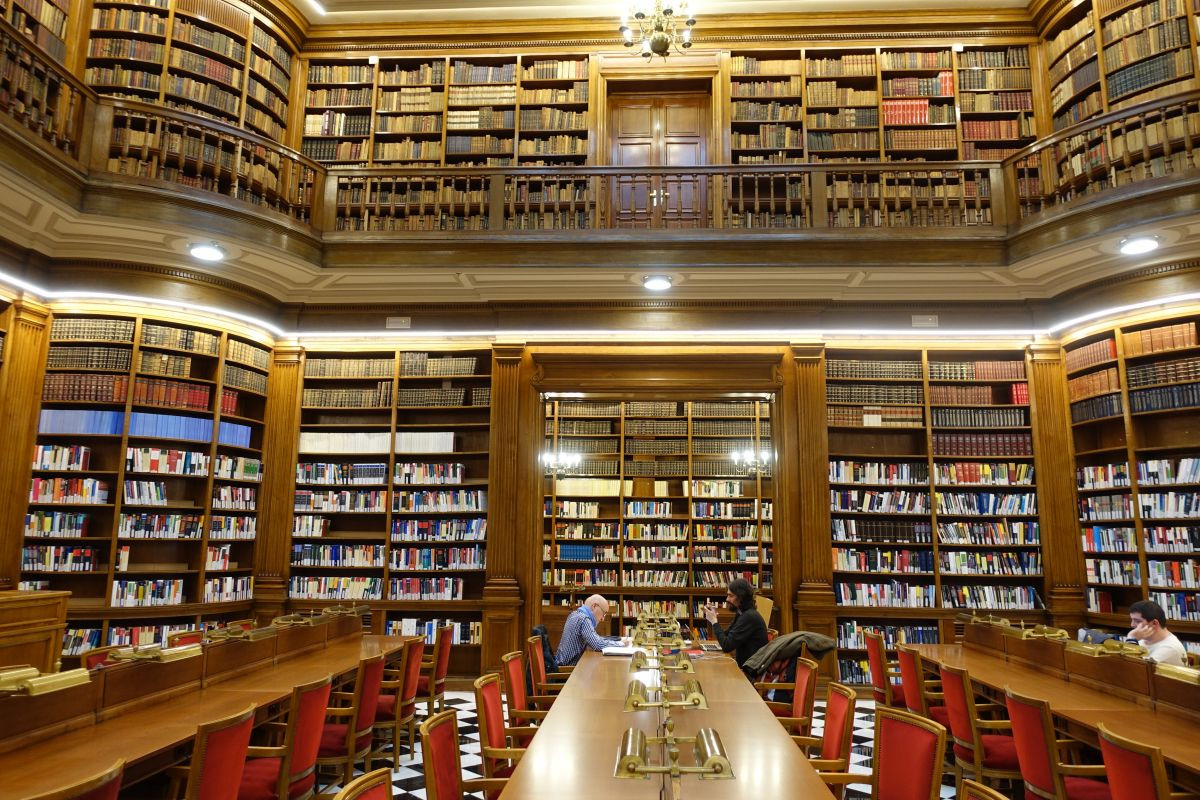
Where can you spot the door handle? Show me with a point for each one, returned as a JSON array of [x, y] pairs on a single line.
[[657, 195]]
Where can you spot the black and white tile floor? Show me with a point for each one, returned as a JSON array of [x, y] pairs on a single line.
[[409, 780]]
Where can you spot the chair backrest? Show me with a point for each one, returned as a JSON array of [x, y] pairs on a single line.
[[908, 756], [805, 692], [375, 785], [1135, 771], [764, 606], [877, 662], [440, 757], [366, 697], [912, 678], [441, 653], [1033, 735], [513, 674], [537, 659], [244, 624], [970, 790], [839, 722], [306, 715], [181, 638], [99, 657], [489, 707], [414, 651], [772, 634], [218, 758], [960, 706], [98, 787]]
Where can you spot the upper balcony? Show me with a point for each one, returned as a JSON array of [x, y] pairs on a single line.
[[85, 175]]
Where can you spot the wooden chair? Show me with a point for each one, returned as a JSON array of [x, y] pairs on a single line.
[[218, 759], [1193, 660], [398, 702], [970, 790], [99, 656], [920, 694], [543, 682], [795, 716], [289, 771], [432, 684], [978, 746], [181, 638], [244, 624], [443, 762], [1135, 771], [838, 734], [1039, 752], [883, 672], [104, 786], [497, 739], [375, 785], [907, 762], [344, 743], [519, 702], [772, 634]]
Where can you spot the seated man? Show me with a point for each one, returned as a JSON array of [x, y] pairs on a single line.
[[579, 633], [1149, 623], [748, 632]]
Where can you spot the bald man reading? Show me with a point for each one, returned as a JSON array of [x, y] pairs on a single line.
[[579, 634]]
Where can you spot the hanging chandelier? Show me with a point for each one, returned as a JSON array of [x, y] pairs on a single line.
[[658, 27]]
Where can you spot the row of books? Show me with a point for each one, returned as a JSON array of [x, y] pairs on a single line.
[[999, 533], [978, 417], [439, 530], [882, 560], [338, 555], [987, 503], [112, 359], [465, 632], [1093, 383], [1104, 406], [1112, 572], [68, 491], [983, 444], [874, 416], [363, 442], [894, 473], [1174, 573], [369, 501], [473, 500], [942, 394], [166, 461], [234, 498], [851, 634], [437, 558], [892, 531], [1103, 539], [873, 393], [1090, 354], [60, 558], [1166, 505], [882, 502], [1186, 395], [1176, 539], [974, 562], [94, 328], [1173, 371], [379, 396]]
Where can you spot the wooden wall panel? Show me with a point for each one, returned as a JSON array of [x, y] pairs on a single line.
[[814, 593]]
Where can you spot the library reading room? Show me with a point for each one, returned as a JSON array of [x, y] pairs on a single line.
[[803, 395]]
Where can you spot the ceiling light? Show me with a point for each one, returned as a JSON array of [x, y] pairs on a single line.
[[1138, 245], [207, 251], [657, 283], [656, 28]]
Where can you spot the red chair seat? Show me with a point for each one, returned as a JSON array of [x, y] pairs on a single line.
[[940, 715], [999, 752], [423, 684], [1080, 789], [897, 696], [333, 741], [387, 707], [261, 776]]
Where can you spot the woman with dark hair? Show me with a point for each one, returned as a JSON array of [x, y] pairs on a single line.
[[748, 632]]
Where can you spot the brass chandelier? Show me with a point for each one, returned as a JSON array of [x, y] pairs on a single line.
[[658, 27]]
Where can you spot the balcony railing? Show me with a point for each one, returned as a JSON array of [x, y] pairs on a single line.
[[112, 137]]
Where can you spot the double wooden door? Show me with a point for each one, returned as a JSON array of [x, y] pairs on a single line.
[[659, 130]]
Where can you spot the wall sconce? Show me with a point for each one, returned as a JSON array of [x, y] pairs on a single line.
[[560, 464]]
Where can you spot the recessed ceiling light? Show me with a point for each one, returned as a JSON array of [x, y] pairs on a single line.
[[1138, 245], [657, 283], [207, 251]]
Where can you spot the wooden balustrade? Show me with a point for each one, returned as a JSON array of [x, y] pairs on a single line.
[[40, 95]]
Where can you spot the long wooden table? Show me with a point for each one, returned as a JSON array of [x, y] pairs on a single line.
[[159, 734], [575, 752], [1082, 708]]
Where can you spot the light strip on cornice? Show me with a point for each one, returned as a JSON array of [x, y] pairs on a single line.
[[1125, 309], [320, 9]]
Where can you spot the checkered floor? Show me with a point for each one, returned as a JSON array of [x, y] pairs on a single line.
[[409, 780]]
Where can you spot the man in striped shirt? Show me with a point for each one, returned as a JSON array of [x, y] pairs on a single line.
[[579, 634]]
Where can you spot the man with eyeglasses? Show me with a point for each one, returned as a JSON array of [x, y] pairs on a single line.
[[579, 633]]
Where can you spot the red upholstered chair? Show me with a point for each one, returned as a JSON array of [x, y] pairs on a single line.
[[520, 703], [443, 762], [496, 739], [375, 785], [434, 669], [543, 682], [1136, 771], [979, 746], [398, 701], [1039, 754], [98, 787], [907, 763], [795, 716], [181, 638], [883, 672], [289, 771], [772, 633], [836, 738], [348, 740], [920, 694], [218, 759], [970, 790], [99, 656]]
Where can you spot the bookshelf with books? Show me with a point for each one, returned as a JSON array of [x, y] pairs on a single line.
[[144, 444], [932, 494], [645, 503], [268, 82], [995, 106], [43, 22], [553, 122], [767, 114], [1139, 473], [337, 110], [842, 105], [1146, 49], [481, 111], [1071, 54], [917, 104], [410, 112], [391, 485]]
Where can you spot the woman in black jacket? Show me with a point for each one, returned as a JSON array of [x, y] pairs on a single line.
[[748, 632]]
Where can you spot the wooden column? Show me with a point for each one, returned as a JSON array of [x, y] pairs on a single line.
[[20, 402], [503, 622], [814, 596], [787, 522], [272, 550], [1054, 468]]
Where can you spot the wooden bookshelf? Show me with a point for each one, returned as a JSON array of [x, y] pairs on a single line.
[[917, 104], [481, 111], [841, 95], [391, 486], [1146, 50], [147, 451], [410, 112], [337, 111], [932, 493], [44, 22], [1135, 405], [1073, 68], [216, 59], [995, 102], [656, 511], [766, 114], [553, 121]]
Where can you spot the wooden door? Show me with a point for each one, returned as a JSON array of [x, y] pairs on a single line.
[[659, 130]]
